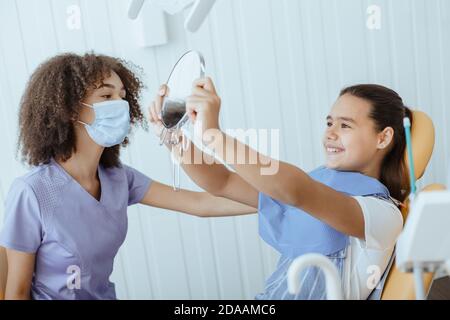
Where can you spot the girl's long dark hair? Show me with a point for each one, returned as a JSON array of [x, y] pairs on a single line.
[[388, 110]]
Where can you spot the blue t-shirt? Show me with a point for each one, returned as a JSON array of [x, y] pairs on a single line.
[[75, 237]]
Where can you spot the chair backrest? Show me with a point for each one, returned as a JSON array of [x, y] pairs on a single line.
[[422, 138], [400, 285]]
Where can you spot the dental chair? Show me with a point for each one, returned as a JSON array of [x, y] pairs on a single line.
[[400, 285]]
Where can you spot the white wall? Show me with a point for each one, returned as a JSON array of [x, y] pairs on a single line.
[[276, 64]]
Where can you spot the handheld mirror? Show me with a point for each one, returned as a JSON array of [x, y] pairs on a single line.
[[188, 68]]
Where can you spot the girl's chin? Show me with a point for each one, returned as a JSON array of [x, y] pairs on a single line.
[[332, 165], [340, 166]]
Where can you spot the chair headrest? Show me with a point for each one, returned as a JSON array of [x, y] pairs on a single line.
[[422, 138]]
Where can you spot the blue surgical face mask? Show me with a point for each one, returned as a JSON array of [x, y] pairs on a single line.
[[111, 124]]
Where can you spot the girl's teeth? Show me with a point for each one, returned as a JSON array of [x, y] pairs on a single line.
[[333, 150]]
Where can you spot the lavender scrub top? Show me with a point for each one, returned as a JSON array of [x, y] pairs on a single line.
[[75, 237]]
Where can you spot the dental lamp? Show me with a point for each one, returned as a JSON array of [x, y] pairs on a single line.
[[195, 18]]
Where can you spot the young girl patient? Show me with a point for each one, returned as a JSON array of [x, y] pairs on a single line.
[[346, 209]]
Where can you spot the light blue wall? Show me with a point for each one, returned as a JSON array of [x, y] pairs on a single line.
[[276, 64]]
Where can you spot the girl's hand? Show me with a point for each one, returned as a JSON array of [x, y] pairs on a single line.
[[155, 111], [203, 106]]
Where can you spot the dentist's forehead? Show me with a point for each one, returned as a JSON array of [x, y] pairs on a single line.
[[109, 85], [113, 81]]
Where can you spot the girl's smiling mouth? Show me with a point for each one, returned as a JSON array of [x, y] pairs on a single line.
[[333, 150]]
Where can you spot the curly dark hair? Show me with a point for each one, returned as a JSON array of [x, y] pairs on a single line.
[[51, 102]]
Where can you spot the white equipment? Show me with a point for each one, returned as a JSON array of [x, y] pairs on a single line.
[[198, 13], [424, 244], [332, 279]]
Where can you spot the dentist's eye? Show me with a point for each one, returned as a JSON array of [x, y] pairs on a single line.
[[345, 126], [107, 96]]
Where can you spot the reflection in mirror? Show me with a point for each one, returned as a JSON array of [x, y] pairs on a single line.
[[172, 112]]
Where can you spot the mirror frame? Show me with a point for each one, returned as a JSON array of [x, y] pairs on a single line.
[[185, 117]]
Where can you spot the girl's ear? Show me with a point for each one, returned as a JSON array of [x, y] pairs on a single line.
[[385, 138]]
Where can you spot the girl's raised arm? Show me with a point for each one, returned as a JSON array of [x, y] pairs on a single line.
[[286, 183]]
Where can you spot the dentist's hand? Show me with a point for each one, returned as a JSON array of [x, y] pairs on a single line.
[[155, 111], [203, 106]]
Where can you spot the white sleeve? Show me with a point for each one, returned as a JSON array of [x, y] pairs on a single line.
[[383, 223]]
